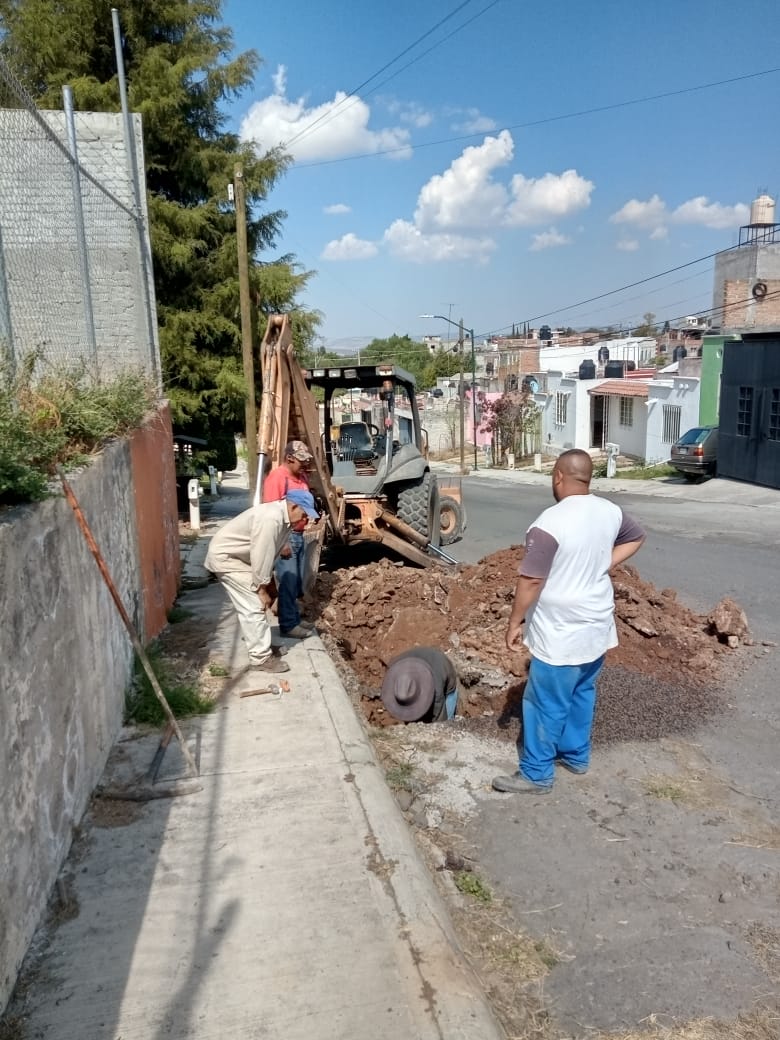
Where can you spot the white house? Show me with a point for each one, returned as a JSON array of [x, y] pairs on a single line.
[[643, 416]]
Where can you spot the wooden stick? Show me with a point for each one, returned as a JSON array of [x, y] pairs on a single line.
[[137, 645]]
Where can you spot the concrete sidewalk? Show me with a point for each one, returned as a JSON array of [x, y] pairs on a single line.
[[283, 899], [712, 491]]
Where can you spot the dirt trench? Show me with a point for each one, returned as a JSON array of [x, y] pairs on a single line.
[[660, 680]]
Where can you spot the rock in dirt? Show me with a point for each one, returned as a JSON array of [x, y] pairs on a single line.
[[729, 619]]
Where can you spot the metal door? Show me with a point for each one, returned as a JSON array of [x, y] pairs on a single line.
[[749, 436]]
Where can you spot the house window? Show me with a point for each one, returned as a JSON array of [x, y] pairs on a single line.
[[744, 411], [626, 411], [774, 415], [561, 408], [671, 423]]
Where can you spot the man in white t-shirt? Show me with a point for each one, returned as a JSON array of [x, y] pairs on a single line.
[[564, 596]]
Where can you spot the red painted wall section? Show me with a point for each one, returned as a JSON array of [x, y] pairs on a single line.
[[157, 518]]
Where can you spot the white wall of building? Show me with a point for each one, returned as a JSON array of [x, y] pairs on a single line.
[[632, 439], [575, 431], [568, 358], [682, 393]]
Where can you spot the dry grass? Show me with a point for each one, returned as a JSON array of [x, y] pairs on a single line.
[[761, 1024]]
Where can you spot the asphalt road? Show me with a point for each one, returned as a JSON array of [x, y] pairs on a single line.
[[704, 550], [635, 890]]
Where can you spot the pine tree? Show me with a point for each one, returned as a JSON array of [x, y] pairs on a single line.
[[180, 70]]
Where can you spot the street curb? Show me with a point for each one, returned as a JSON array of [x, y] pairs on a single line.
[[440, 982]]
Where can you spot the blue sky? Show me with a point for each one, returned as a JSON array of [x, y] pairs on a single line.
[[468, 214]]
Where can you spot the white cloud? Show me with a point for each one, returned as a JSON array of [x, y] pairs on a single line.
[[465, 195], [654, 216], [409, 112], [627, 245], [700, 210], [549, 240], [473, 122], [646, 215], [408, 242], [349, 247], [536, 200], [342, 126], [336, 209]]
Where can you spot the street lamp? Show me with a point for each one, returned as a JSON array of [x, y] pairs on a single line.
[[459, 325]]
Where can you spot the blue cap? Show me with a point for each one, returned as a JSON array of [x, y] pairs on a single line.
[[305, 500]]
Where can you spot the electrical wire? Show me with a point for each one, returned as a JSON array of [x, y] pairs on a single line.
[[332, 112], [546, 120], [611, 292], [327, 117]]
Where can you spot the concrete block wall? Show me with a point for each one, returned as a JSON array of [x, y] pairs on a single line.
[[743, 312], [65, 662]]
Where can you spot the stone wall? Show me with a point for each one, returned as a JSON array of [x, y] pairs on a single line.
[[65, 660]]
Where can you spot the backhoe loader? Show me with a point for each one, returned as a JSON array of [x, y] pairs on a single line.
[[372, 478]]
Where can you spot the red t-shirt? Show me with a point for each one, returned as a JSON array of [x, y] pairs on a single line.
[[279, 481]]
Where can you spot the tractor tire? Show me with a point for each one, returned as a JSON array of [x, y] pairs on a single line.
[[418, 506], [451, 518]]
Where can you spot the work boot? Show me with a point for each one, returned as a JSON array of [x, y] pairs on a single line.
[[299, 632], [270, 664], [306, 624], [517, 784]]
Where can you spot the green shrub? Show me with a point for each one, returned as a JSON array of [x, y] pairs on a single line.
[[59, 417]]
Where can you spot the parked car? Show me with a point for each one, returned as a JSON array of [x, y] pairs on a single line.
[[696, 453]]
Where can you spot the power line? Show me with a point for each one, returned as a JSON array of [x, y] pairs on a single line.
[[547, 119], [611, 292], [332, 112]]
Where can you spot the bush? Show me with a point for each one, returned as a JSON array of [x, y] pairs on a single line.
[[58, 418]]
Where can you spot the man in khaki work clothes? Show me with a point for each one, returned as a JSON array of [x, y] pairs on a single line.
[[242, 556]]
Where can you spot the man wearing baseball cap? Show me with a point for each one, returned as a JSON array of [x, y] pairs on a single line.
[[420, 685], [290, 476], [242, 553]]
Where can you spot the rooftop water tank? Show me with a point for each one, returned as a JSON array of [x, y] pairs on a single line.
[[587, 369], [614, 369], [762, 210]]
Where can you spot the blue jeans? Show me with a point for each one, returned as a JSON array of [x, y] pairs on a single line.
[[451, 702], [289, 581], [558, 707]]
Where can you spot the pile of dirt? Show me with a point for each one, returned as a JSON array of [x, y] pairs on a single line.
[[659, 680]]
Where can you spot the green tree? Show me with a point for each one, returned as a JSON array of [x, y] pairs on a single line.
[[181, 70], [648, 326]]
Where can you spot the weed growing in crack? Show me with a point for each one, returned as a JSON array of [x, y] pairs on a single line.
[[471, 884]]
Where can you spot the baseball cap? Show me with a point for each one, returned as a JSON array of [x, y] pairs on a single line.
[[298, 450], [408, 689], [305, 500]]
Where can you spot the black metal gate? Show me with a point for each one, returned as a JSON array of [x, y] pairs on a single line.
[[749, 434]]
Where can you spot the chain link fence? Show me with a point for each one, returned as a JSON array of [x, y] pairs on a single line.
[[75, 264]]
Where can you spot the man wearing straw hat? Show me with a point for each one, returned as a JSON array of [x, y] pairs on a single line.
[[420, 685]]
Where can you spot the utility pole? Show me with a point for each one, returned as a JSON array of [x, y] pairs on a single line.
[[462, 399], [247, 353]]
